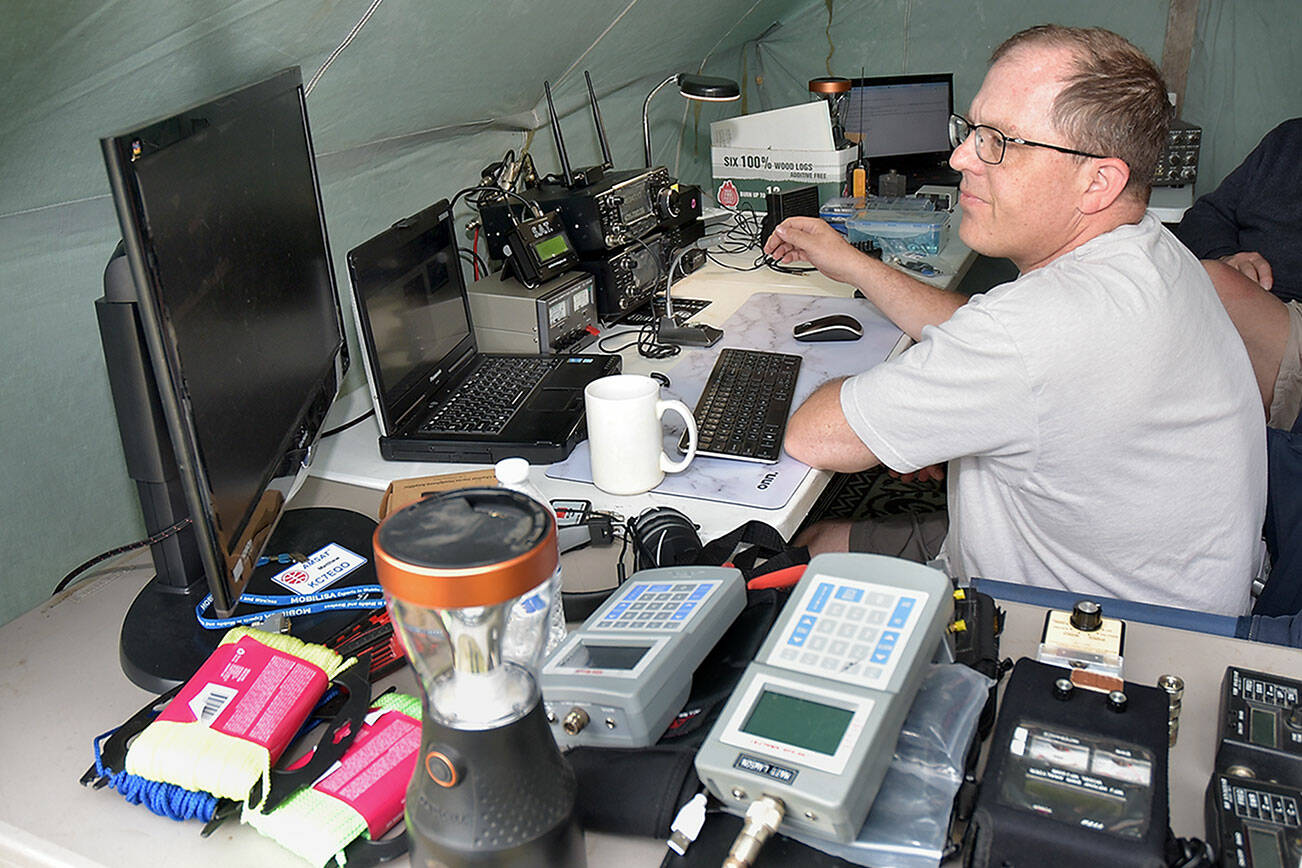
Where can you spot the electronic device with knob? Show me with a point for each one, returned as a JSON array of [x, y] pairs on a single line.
[[619, 679], [816, 715]]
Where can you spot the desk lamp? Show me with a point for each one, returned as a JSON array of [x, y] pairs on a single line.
[[490, 786], [703, 88]]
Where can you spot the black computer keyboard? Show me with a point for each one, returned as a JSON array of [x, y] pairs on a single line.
[[743, 411], [490, 395]]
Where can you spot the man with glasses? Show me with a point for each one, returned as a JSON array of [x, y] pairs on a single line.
[[1097, 414]]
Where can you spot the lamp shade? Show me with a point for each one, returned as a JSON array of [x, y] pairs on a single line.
[[708, 88]]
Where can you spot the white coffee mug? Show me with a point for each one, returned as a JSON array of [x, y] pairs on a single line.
[[625, 439]]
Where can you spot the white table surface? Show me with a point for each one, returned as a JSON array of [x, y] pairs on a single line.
[[60, 686], [353, 457]]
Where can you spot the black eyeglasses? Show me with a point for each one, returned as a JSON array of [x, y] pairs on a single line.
[[991, 143]]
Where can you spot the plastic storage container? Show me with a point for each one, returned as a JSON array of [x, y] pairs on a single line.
[[919, 233]]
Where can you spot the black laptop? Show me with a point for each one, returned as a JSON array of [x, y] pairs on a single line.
[[437, 398]]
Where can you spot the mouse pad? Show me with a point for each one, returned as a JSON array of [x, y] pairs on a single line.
[[763, 323]]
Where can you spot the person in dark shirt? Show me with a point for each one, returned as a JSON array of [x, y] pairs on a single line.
[[1249, 233]]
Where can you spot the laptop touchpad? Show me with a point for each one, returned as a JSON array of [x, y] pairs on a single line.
[[555, 399]]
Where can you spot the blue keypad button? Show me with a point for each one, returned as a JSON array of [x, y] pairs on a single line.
[[801, 631], [636, 591], [901, 614], [885, 645], [821, 595], [699, 592], [852, 595]]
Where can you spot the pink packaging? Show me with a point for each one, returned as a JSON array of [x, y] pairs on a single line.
[[372, 777], [250, 691]]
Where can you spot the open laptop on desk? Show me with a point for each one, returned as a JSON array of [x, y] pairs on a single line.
[[436, 397]]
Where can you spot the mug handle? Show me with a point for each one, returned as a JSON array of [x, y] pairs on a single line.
[[667, 464]]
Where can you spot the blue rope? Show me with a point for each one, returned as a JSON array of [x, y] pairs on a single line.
[[166, 800]]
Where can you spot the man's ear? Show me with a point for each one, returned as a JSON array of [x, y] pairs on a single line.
[[1106, 183]]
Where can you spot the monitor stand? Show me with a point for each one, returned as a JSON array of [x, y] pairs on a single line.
[[162, 643]]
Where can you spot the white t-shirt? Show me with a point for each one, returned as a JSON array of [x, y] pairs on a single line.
[[1103, 423]]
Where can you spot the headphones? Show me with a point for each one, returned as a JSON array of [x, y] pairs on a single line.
[[661, 536]]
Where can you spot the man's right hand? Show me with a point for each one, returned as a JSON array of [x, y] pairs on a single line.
[[809, 239], [1253, 264]]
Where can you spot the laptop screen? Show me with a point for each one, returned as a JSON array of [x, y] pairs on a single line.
[[415, 318]]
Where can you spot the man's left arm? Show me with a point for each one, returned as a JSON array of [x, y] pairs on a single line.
[[819, 434]]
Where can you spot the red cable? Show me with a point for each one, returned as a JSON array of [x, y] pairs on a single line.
[[784, 578]]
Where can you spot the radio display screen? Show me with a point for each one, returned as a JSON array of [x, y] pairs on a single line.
[[636, 204]]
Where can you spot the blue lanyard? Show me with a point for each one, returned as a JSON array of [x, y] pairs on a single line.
[[295, 605]]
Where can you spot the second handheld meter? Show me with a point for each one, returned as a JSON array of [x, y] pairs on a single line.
[[619, 680], [814, 720]]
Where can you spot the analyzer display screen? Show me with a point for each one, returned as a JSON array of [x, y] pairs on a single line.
[[1261, 727], [798, 722], [621, 657]]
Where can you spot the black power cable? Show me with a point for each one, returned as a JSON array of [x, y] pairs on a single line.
[[147, 541]]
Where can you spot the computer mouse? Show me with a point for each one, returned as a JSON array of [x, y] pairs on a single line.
[[834, 327]]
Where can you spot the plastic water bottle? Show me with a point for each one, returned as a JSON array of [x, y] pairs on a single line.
[[541, 608]]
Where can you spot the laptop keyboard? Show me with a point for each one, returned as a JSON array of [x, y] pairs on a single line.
[[489, 396], [743, 411]]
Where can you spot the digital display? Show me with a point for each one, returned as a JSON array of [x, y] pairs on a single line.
[[551, 247], [1261, 727], [900, 115], [618, 657], [1263, 849], [798, 722], [634, 207]]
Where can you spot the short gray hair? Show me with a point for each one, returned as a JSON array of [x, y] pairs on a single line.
[[1114, 103]]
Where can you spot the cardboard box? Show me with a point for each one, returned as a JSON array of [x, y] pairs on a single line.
[[404, 492], [775, 151]]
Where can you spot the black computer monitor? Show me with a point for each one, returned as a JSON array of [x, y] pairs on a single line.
[[902, 120], [224, 346]]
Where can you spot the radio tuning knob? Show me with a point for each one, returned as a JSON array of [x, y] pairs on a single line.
[[1087, 616], [667, 202]]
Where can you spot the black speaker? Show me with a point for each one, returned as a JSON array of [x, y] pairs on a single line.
[[796, 202]]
